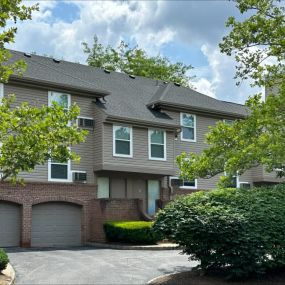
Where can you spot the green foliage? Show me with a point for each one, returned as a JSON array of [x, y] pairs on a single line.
[[238, 232], [138, 232], [259, 48], [135, 61], [11, 11], [258, 40], [4, 260], [32, 135]]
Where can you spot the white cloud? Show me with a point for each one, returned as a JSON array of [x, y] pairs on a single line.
[[220, 81], [205, 86], [150, 24]]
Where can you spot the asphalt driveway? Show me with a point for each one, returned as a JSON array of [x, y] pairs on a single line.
[[93, 266]]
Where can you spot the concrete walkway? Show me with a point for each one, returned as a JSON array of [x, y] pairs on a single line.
[[94, 266]]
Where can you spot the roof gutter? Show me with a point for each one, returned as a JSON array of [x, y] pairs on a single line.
[[97, 93], [141, 123], [204, 111]]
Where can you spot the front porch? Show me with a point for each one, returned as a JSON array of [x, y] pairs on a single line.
[[149, 188]]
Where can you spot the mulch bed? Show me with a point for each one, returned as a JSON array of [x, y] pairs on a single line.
[[195, 278]]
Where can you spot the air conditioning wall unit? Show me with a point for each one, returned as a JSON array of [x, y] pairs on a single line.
[[87, 123], [244, 185], [79, 176]]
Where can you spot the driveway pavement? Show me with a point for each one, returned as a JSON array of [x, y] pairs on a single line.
[[93, 266]]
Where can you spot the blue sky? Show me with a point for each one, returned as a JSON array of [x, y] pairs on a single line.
[[187, 31]]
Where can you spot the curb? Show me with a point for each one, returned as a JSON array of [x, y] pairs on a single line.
[[170, 246], [158, 277], [10, 273]]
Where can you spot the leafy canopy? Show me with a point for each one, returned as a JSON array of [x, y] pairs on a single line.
[[29, 135], [135, 61], [11, 11], [258, 45]]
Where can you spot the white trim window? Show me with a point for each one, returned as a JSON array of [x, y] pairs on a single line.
[[62, 99], [59, 171], [186, 184], [1, 91], [189, 184], [156, 144], [122, 141], [188, 124]]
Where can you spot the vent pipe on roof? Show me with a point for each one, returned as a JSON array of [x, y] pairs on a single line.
[[56, 60], [132, 76], [27, 54], [107, 70], [177, 84]]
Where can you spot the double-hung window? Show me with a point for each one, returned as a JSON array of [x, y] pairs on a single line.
[[59, 171], [122, 141], [62, 99], [188, 124], [157, 144]]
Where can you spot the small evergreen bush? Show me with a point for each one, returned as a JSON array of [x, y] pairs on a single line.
[[4, 260], [233, 231], [138, 232]]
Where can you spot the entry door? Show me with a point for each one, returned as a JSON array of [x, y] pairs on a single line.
[[103, 187], [153, 195]]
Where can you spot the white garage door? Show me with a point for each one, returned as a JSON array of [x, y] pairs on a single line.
[[56, 224], [10, 224]]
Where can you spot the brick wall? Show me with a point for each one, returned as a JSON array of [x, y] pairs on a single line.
[[111, 209], [94, 211]]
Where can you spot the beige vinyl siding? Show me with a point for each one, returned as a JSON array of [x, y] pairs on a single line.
[[202, 128], [98, 133], [86, 150], [140, 150], [246, 177]]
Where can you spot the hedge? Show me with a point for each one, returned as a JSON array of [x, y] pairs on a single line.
[[237, 232], [4, 260], [137, 232]]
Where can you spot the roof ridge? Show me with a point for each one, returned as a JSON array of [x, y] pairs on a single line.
[[62, 72]]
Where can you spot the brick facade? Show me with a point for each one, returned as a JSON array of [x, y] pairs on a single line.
[[94, 211]]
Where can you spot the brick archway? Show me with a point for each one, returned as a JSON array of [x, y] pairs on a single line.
[[14, 200], [58, 199]]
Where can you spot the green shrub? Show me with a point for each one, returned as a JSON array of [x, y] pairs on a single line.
[[138, 232], [236, 231], [4, 260]]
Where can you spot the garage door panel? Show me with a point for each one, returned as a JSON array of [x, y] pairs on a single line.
[[56, 224], [10, 224]]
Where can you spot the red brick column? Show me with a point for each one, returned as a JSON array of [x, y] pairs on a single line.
[[26, 225]]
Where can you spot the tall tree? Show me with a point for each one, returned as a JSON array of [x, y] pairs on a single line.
[[30, 136], [135, 61], [258, 44], [11, 11]]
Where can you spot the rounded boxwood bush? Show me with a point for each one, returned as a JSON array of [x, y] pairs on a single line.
[[233, 231], [4, 260], [138, 232]]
